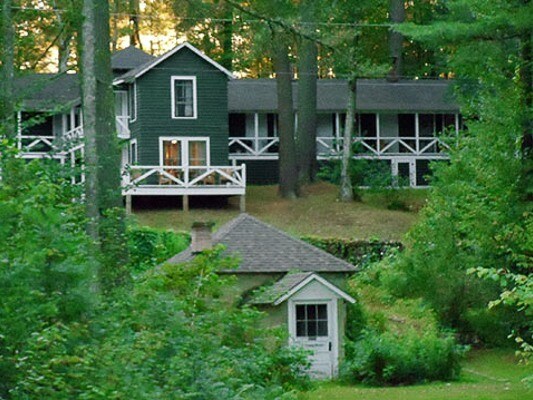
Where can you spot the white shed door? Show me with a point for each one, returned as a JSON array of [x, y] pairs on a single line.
[[313, 330]]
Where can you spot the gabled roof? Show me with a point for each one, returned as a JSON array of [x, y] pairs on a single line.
[[289, 285], [432, 95], [129, 58], [142, 69], [41, 92], [265, 249]]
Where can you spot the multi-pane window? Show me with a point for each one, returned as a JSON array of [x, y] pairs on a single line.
[[311, 320], [183, 97], [172, 153], [180, 152], [197, 153]]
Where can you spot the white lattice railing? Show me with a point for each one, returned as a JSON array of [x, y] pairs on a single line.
[[254, 146], [36, 143], [331, 146], [192, 177]]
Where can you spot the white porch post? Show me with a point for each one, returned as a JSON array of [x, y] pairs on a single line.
[[256, 133], [378, 144], [417, 134], [128, 204], [19, 130]]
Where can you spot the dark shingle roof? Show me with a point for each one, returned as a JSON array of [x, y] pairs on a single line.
[[332, 95], [269, 294], [129, 58], [141, 69], [47, 91], [263, 248]]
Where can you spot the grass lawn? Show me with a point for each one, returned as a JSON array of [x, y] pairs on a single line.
[[318, 212], [486, 375]]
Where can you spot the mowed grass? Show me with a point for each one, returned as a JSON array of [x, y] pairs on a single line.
[[318, 212], [487, 375]]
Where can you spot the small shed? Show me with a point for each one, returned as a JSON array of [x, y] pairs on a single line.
[[296, 284]]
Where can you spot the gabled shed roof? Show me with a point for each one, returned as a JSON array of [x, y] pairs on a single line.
[[289, 285], [265, 249], [142, 69], [129, 58]]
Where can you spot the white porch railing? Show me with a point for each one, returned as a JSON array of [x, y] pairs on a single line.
[[36, 144], [331, 146], [254, 146], [192, 180]]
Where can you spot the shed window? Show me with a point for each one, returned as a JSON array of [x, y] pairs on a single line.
[[311, 320], [183, 97]]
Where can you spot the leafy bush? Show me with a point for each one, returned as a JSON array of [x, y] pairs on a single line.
[[169, 334], [356, 252], [149, 247], [392, 359], [393, 341]]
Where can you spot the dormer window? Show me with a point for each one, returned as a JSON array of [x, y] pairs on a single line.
[[183, 92]]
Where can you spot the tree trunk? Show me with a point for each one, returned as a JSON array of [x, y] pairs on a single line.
[[397, 15], [308, 68], [135, 39], [288, 170], [7, 106], [102, 156], [114, 26], [227, 37], [346, 194], [526, 80]]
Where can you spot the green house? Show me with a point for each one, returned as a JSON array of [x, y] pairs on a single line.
[[188, 128]]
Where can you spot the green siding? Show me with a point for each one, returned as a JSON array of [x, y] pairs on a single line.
[[262, 172], [154, 114]]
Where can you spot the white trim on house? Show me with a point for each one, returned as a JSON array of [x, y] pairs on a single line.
[[309, 279], [132, 105], [133, 152], [172, 52], [185, 147], [175, 78]]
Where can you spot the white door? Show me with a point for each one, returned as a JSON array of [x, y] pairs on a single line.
[[313, 328]]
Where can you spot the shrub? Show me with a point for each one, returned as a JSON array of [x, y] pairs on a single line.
[[393, 359], [356, 252], [149, 247]]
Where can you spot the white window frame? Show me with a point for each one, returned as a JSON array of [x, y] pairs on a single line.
[[133, 152], [185, 148], [133, 111], [125, 103], [175, 78]]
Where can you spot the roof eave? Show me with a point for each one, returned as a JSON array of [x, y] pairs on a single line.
[[308, 280]]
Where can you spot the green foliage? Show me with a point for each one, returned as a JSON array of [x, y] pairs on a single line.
[[149, 247], [392, 359], [478, 218], [45, 267], [394, 341], [171, 333], [357, 252], [375, 175]]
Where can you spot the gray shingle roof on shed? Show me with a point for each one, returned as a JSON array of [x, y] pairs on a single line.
[[129, 58], [265, 249], [247, 95], [269, 294], [47, 91]]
